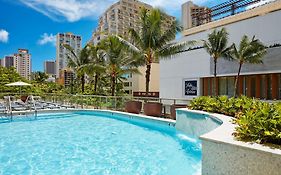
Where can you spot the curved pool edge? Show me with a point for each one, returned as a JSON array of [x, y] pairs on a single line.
[[169, 122], [222, 153], [224, 132]]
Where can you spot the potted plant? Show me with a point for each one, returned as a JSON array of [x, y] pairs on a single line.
[[133, 107], [153, 109]]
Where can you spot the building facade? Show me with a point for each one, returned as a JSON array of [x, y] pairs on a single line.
[[8, 61], [66, 77], [61, 52], [194, 15], [135, 83], [190, 74], [118, 19], [23, 63], [50, 67], [122, 16]]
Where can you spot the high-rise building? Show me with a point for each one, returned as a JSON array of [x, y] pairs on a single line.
[[66, 77], [8, 61], [194, 15], [61, 52], [122, 16], [118, 19], [22, 61], [50, 67]]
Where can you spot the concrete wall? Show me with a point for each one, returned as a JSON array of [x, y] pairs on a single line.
[[196, 64], [223, 159]]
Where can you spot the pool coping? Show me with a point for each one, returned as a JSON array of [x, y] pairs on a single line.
[[224, 134], [141, 116]]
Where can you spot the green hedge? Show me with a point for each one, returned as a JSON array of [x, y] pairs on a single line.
[[257, 121]]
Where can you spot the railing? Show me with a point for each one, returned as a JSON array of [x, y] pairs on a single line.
[[229, 8], [104, 102]]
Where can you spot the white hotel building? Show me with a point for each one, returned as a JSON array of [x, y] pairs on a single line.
[[190, 74]]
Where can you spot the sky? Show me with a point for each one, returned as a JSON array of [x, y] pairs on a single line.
[[33, 24]]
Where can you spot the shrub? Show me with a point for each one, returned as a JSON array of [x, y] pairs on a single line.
[[257, 121]]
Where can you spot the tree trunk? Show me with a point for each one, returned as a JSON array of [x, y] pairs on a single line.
[[215, 77], [112, 86], [83, 83], [147, 78], [96, 83], [237, 80]]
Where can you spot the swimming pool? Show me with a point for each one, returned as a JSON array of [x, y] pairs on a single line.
[[85, 142]]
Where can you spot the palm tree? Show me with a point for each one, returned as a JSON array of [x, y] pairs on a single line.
[[96, 64], [78, 61], [152, 42], [216, 46], [118, 62], [249, 51], [39, 77]]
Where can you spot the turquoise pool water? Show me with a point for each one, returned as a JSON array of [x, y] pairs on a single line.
[[96, 143]]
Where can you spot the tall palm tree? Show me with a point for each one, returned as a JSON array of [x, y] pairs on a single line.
[[118, 62], [249, 51], [152, 42], [78, 61], [217, 46], [96, 65]]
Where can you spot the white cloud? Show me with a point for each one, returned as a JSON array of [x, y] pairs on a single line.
[[47, 38], [4, 36], [74, 10], [71, 10], [262, 2]]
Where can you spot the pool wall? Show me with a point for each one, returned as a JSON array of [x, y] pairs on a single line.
[[195, 123], [222, 154]]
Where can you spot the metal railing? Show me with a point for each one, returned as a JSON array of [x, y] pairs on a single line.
[[103, 102]]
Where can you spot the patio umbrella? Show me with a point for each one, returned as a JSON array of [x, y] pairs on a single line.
[[18, 83]]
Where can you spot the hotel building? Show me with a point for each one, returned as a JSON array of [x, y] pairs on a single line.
[[190, 74], [8, 61], [118, 19], [50, 67], [61, 52], [21, 61], [66, 77], [194, 15], [122, 16]]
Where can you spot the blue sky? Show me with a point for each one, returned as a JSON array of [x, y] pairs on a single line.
[[33, 24]]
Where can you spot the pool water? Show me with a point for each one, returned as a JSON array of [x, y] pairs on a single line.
[[96, 143]]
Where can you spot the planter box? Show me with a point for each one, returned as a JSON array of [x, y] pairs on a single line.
[[173, 109], [133, 107], [153, 109]]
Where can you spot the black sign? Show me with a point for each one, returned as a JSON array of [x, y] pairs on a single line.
[[190, 87]]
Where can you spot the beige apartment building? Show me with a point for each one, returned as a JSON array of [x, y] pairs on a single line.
[[21, 61], [61, 52], [194, 15], [122, 16], [135, 83], [118, 19]]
